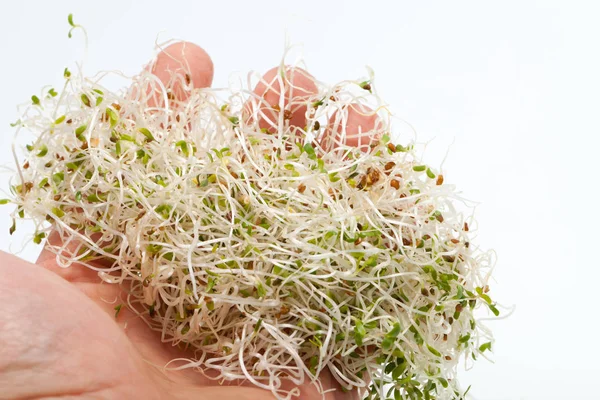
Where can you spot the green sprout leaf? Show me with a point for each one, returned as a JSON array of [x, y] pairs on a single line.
[[86, 100], [43, 151], [60, 119], [359, 332], [485, 346], [113, 117], [4, 201], [13, 227], [430, 174], [257, 326], [118, 310], [35, 100], [260, 290], [58, 177], [434, 351], [484, 296], [184, 146], [310, 151], [37, 239], [52, 92], [70, 19], [143, 131], [67, 73], [494, 309], [419, 168]]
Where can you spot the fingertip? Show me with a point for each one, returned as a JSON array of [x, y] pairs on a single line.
[[354, 125], [298, 87], [181, 65]]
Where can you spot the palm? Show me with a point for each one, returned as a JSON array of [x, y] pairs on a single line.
[[64, 340]]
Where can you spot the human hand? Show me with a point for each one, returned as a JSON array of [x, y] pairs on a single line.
[[58, 332]]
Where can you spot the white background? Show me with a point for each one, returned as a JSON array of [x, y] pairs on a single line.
[[514, 85]]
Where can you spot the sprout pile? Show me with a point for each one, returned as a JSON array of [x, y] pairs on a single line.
[[268, 257]]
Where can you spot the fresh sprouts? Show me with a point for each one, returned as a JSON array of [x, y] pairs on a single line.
[[266, 256]]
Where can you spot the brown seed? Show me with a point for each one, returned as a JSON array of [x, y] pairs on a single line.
[[188, 79], [406, 242], [395, 184], [276, 107], [301, 188], [449, 259], [332, 98], [467, 245], [389, 166], [69, 121], [425, 292], [363, 182], [316, 126], [391, 147], [26, 165], [287, 114], [459, 308], [116, 106], [140, 215], [455, 241], [372, 176], [56, 197], [170, 96], [450, 320], [402, 195], [233, 174], [358, 241], [331, 193], [448, 358], [439, 218], [440, 180], [426, 237], [445, 337], [466, 227], [486, 289]]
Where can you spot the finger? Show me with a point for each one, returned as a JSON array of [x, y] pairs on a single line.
[[287, 92], [355, 125], [182, 66]]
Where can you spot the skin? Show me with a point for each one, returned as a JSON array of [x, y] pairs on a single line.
[[357, 120], [298, 87], [58, 334]]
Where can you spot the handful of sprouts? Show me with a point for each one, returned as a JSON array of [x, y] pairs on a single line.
[[273, 251]]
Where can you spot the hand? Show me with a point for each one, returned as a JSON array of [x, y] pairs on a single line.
[[58, 333]]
